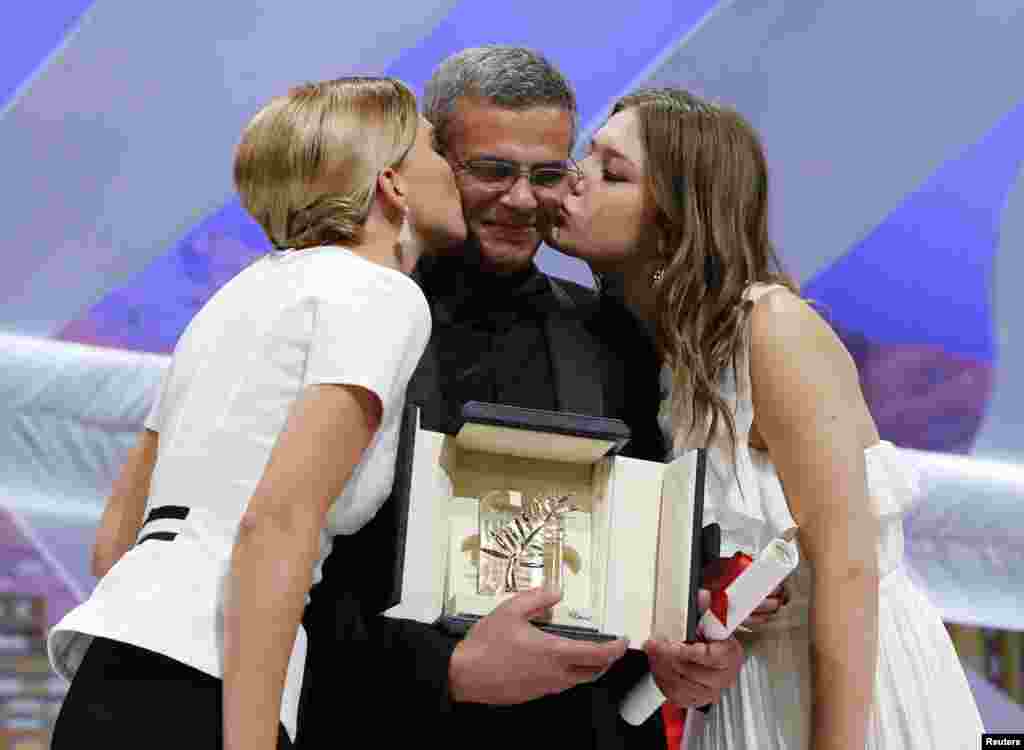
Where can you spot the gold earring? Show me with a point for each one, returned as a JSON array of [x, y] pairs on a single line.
[[657, 276]]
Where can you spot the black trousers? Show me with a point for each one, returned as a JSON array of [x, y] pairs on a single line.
[[127, 697]]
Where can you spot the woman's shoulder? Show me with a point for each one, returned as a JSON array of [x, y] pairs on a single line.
[[357, 269], [791, 343], [781, 317], [342, 275]]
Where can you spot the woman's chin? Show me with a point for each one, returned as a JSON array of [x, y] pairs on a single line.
[[575, 248], [577, 245]]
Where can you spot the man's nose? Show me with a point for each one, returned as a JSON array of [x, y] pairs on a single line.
[[520, 196]]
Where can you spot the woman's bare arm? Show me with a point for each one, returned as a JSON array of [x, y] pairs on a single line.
[[122, 515], [812, 415], [327, 431]]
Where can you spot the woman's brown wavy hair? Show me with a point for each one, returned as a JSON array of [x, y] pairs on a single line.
[[707, 185]]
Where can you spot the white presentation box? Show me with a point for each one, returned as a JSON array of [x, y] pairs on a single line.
[[521, 498]]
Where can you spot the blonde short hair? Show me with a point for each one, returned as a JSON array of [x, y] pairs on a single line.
[[344, 131]]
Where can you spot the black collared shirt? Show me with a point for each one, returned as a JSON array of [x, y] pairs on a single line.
[[490, 340]]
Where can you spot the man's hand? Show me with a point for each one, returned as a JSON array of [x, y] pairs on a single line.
[[694, 674], [505, 660]]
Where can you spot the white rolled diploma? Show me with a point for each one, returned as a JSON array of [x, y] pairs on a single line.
[[776, 561]]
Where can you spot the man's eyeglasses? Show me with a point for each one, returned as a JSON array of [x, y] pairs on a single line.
[[501, 175]]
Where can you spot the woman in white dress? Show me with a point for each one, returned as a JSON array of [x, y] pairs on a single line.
[[674, 207], [276, 427]]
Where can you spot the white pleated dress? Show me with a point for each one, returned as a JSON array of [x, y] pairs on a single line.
[[922, 698]]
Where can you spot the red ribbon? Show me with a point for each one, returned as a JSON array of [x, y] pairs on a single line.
[[674, 719], [717, 577]]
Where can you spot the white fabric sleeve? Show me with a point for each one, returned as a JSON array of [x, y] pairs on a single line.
[[373, 337], [154, 419]]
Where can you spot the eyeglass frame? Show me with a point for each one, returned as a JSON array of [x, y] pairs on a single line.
[[569, 168]]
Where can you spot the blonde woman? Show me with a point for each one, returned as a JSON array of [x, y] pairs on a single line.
[[673, 209], [276, 426]]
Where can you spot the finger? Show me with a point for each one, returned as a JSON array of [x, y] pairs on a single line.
[[690, 652], [659, 650], [705, 678], [581, 654], [691, 697], [714, 670], [716, 655], [663, 656], [725, 654], [667, 662], [768, 606], [703, 599], [784, 595], [565, 680], [652, 643], [683, 692], [586, 674], [689, 694], [528, 604]]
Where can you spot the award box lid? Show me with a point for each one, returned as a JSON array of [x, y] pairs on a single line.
[[535, 433]]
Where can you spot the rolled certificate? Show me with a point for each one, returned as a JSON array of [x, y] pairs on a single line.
[[730, 607], [740, 598]]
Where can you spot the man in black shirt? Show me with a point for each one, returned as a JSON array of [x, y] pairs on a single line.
[[503, 332]]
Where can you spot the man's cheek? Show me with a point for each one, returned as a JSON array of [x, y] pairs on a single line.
[[551, 206], [548, 216]]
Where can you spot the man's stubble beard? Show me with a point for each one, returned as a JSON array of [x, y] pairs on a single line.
[[472, 252]]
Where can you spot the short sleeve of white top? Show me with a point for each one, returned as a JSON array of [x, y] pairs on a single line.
[[292, 319]]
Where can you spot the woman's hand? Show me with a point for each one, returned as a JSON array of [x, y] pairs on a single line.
[[767, 609]]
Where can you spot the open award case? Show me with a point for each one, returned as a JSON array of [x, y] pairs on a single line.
[[521, 498]]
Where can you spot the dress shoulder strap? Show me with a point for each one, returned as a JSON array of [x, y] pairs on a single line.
[[738, 385], [758, 289]]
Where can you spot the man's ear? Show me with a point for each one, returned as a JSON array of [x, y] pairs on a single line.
[[392, 188]]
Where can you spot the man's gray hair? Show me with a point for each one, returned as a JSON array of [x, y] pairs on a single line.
[[510, 77]]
